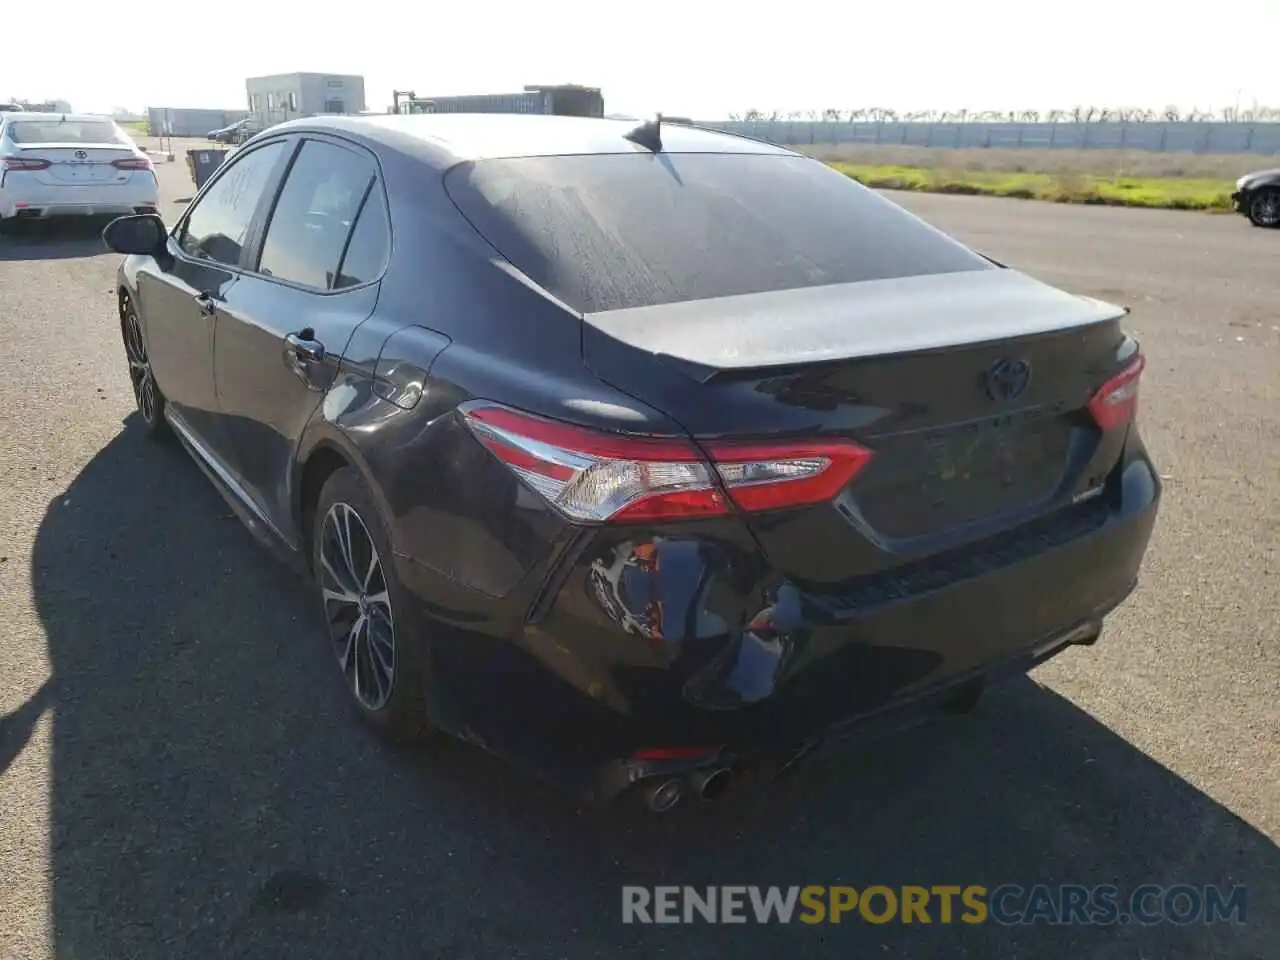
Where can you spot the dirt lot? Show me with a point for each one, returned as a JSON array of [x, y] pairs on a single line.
[[176, 778]]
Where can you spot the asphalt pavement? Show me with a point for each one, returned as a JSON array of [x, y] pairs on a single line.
[[179, 776]]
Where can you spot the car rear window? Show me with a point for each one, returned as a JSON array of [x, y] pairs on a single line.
[[64, 131], [610, 232]]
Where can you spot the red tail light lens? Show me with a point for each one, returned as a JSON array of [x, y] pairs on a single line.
[[9, 164], [1116, 401], [651, 754], [595, 477], [133, 163]]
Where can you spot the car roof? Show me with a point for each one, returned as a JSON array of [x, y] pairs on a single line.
[[448, 138]]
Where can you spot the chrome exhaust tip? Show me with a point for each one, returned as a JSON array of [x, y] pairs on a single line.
[[662, 794], [710, 784]]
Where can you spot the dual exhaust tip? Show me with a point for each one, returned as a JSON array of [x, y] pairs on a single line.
[[661, 794]]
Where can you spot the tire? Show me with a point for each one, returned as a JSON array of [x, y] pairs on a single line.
[[362, 608], [1264, 208], [146, 392]]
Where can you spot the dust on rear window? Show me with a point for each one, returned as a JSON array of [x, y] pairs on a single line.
[[615, 231], [64, 131]]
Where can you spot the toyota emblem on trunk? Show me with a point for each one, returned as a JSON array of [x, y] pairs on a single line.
[[82, 155], [1007, 379]]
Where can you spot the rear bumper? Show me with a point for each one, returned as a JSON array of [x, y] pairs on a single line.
[[40, 200], [696, 645]]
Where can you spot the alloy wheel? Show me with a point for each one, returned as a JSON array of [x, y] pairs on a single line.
[[1266, 209], [357, 606], [144, 384]]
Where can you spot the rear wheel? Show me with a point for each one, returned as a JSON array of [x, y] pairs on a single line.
[[1264, 208], [372, 630], [146, 393]]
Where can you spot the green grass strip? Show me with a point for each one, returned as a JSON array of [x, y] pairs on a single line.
[[1167, 193]]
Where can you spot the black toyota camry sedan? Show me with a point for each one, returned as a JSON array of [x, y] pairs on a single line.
[[639, 455], [1257, 196]]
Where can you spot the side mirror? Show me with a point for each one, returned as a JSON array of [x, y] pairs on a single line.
[[142, 233]]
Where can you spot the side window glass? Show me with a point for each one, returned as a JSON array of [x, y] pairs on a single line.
[[218, 225], [367, 253], [314, 215]]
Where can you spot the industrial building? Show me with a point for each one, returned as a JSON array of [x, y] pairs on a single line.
[[189, 122], [566, 99], [41, 106], [285, 96]]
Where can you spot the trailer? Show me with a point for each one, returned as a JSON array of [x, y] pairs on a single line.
[[565, 100]]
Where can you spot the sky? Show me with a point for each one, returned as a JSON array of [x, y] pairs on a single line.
[[700, 58]]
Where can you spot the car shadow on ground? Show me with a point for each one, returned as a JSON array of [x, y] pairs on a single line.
[[213, 796], [54, 240]]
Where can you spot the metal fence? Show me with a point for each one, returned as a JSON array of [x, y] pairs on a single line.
[[188, 122], [1258, 138]]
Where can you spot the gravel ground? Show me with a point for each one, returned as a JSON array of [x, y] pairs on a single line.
[[178, 777]]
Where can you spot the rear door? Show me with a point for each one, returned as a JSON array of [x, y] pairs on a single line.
[[180, 300], [312, 281]]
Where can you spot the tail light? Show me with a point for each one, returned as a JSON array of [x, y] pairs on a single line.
[[134, 163], [12, 164], [595, 477], [658, 754], [1116, 401]]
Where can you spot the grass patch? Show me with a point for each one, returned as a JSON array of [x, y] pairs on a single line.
[[1168, 193], [137, 126]]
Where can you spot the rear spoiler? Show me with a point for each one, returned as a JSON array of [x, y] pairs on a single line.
[[813, 325]]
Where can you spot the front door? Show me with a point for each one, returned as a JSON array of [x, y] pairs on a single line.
[[182, 297], [284, 328]]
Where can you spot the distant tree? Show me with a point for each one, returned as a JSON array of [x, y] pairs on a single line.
[[1257, 113]]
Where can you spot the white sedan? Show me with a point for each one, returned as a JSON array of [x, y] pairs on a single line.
[[54, 165]]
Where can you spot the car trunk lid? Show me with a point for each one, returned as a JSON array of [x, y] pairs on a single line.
[[80, 163], [970, 389]]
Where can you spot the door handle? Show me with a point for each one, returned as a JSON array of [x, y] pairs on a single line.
[[304, 355]]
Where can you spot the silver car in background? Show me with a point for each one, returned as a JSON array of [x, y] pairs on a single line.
[[71, 165]]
